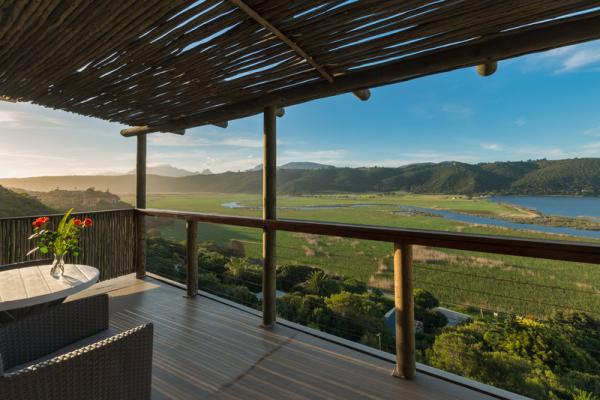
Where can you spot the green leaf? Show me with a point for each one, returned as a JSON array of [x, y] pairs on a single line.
[[63, 221]]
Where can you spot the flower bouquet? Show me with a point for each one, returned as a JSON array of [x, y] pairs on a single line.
[[60, 242]]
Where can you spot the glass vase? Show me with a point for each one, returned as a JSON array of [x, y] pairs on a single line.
[[58, 266]]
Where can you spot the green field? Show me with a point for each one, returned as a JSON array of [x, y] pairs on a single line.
[[463, 280]]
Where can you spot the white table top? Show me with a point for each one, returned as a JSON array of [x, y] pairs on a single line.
[[30, 286]]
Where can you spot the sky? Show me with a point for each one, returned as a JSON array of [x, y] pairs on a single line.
[[545, 105]]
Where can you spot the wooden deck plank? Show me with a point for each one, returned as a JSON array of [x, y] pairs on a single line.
[[204, 349]]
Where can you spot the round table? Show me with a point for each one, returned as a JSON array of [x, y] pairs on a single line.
[[23, 290]]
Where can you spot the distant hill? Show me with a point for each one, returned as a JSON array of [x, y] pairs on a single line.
[[304, 165], [80, 200], [13, 204], [579, 176], [169, 170]]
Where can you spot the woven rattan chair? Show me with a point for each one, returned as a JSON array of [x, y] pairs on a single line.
[[68, 352]]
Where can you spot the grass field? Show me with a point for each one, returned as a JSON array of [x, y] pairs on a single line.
[[463, 280]]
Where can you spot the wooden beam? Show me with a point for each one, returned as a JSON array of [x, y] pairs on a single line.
[[293, 45], [144, 130], [223, 124], [140, 202], [539, 37], [8, 99], [269, 203], [192, 258], [405, 312], [283, 37]]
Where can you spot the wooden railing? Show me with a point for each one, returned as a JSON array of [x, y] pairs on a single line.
[[549, 249], [109, 246], [113, 246], [402, 240]]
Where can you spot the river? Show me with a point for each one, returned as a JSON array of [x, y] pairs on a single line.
[[568, 206]]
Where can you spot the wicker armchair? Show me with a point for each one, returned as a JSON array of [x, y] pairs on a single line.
[[67, 352]]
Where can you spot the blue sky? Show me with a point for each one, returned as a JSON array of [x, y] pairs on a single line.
[[545, 105]]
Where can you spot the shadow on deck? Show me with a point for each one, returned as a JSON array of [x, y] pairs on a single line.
[[204, 349]]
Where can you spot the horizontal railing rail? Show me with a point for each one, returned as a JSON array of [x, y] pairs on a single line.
[[108, 246], [78, 213], [403, 241], [560, 250]]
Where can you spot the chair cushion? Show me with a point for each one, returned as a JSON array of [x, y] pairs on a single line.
[[67, 349]]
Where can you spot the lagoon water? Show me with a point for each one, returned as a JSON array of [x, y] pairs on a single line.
[[567, 206], [475, 219]]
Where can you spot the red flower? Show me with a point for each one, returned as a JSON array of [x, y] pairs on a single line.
[[40, 221], [88, 222], [77, 222]]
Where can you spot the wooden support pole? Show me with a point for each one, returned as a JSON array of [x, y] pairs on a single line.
[[143, 130], [192, 258], [140, 202], [269, 213], [405, 312]]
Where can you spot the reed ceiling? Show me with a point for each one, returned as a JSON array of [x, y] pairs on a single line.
[[182, 63]]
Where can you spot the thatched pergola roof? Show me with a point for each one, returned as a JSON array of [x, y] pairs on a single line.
[[181, 63]]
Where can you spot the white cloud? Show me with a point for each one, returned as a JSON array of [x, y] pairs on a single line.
[[316, 153], [591, 149], [581, 58], [8, 116], [200, 159], [240, 142], [520, 121], [593, 145], [187, 140], [460, 110], [538, 152], [567, 59], [490, 146], [592, 132]]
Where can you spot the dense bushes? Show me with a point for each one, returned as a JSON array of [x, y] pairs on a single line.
[[554, 359]]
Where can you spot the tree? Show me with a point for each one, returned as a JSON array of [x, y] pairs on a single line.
[[540, 359], [425, 299], [358, 318], [289, 276], [309, 310], [241, 271], [319, 283], [211, 261], [354, 286]]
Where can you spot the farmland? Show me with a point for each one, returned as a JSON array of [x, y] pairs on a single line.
[[468, 281]]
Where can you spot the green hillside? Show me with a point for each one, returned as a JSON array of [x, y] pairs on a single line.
[[89, 200], [14, 204], [579, 176]]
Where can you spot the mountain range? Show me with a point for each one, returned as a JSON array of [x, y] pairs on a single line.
[[577, 176], [297, 165], [169, 170]]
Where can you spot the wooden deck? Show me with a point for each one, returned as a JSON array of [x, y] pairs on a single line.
[[204, 349]]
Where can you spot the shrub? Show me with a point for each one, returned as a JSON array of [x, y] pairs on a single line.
[[289, 276]]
